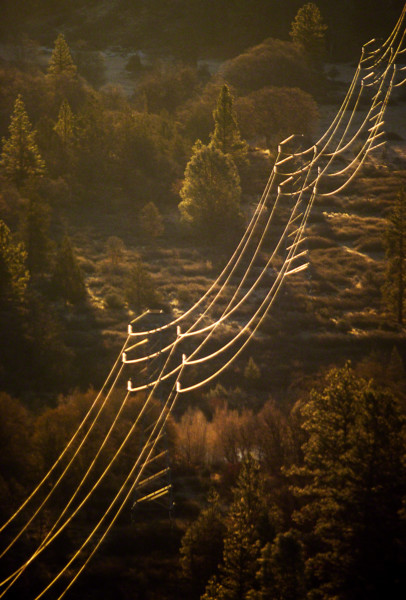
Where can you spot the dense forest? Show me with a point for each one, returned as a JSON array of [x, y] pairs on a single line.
[[128, 189]]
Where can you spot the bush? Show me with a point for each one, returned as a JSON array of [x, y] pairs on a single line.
[[166, 87], [140, 289], [275, 112], [274, 62], [114, 301]]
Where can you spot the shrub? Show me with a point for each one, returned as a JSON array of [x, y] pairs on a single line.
[[140, 289], [275, 112], [114, 301], [274, 62]]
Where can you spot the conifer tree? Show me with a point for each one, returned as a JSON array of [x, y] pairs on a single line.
[[61, 62], [64, 126], [242, 539], [202, 544], [354, 481], [226, 136], [252, 372], [36, 236], [14, 275], [308, 31], [140, 289], [20, 157], [281, 569], [210, 192], [151, 221], [67, 280], [395, 284]]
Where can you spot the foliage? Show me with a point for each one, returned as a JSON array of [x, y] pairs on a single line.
[[281, 569], [64, 126], [252, 372], [242, 538], [192, 438], [272, 63], [61, 62], [202, 544], [20, 157], [36, 236], [140, 291], [13, 271], [210, 192], [274, 112], [67, 279], [226, 135], [115, 248], [151, 221], [92, 66], [166, 87], [18, 460], [354, 483], [308, 31], [395, 238]]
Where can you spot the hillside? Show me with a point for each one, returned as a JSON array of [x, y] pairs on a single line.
[[251, 442]]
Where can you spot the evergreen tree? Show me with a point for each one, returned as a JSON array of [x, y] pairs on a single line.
[[67, 279], [36, 236], [115, 249], [226, 136], [13, 272], [281, 570], [354, 480], [308, 31], [210, 192], [243, 528], [140, 289], [395, 284], [20, 157], [214, 590], [252, 372], [61, 62], [64, 126], [202, 544], [151, 221]]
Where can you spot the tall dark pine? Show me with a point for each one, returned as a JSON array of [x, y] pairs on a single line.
[[226, 135], [352, 496], [308, 31], [67, 280], [20, 157], [242, 539]]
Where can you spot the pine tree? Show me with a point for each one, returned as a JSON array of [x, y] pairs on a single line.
[[242, 540], [214, 590], [202, 544], [151, 221], [67, 280], [210, 192], [281, 569], [395, 239], [308, 31], [13, 272], [20, 157], [64, 126], [61, 62], [140, 289], [252, 372], [354, 480], [36, 236], [226, 136]]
